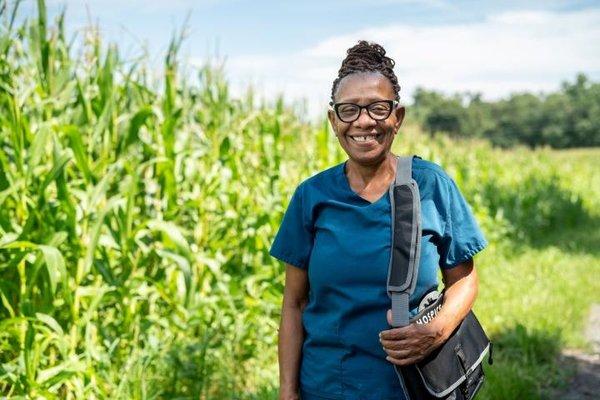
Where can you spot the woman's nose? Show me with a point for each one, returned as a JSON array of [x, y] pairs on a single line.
[[364, 119]]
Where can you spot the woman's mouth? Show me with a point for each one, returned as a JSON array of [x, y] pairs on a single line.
[[365, 139]]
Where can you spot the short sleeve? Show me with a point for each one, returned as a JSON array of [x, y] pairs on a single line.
[[462, 237], [293, 242]]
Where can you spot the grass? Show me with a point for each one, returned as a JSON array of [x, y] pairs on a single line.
[[136, 217]]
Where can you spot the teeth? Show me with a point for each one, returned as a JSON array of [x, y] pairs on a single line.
[[363, 138]]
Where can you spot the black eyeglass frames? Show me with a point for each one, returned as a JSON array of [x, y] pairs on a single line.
[[378, 110]]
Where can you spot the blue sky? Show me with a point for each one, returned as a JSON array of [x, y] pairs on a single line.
[[296, 47]]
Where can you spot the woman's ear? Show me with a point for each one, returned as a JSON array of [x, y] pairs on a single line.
[[399, 113], [331, 117]]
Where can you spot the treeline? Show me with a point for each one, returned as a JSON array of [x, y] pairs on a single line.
[[569, 117]]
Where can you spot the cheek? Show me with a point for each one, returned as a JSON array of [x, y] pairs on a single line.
[[342, 129], [391, 127]]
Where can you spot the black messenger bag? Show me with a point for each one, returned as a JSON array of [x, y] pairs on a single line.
[[455, 369]]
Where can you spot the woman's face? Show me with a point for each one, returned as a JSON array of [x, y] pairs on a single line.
[[364, 88]]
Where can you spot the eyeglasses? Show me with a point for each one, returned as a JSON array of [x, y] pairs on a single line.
[[378, 110]]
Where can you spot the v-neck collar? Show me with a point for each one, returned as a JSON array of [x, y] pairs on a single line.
[[347, 186]]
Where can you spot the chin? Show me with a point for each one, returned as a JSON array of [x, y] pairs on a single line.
[[368, 158]]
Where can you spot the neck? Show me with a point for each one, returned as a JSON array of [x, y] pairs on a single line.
[[381, 170]]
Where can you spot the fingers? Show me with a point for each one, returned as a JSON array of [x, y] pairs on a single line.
[[405, 348], [399, 354], [406, 345], [403, 356], [396, 344], [397, 333], [403, 362]]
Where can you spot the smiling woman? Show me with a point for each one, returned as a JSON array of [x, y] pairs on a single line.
[[335, 340], [366, 136]]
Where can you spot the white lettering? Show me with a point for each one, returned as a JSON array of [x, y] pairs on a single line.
[[429, 316]]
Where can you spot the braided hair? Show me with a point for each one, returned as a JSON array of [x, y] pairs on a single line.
[[367, 57]]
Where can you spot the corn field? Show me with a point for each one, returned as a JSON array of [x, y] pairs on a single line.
[[136, 215]]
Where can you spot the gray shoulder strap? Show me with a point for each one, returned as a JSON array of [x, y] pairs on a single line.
[[403, 170], [406, 240]]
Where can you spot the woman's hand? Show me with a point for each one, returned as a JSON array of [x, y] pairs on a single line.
[[412, 343]]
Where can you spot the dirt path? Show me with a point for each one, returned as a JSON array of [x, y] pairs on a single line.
[[585, 384]]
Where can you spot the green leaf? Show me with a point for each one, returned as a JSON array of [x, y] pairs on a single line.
[[38, 147], [138, 120], [76, 143], [19, 245], [224, 148], [172, 232], [94, 234], [59, 164], [51, 322], [55, 264], [8, 238]]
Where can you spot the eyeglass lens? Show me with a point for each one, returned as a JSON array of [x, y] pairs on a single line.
[[378, 110]]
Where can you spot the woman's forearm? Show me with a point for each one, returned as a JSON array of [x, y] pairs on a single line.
[[461, 291], [291, 337]]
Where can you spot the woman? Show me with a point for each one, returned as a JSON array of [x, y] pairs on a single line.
[[335, 337]]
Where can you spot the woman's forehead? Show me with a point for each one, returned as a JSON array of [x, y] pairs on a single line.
[[364, 86]]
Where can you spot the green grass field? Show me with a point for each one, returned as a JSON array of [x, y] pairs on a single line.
[[536, 296], [136, 218]]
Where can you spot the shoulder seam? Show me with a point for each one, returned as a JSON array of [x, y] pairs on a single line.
[[439, 171]]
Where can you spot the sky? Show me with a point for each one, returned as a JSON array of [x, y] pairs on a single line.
[[295, 48]]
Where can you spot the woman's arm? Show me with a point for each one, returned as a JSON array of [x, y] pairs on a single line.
[[291, 333], [461, 290], [414, 342]]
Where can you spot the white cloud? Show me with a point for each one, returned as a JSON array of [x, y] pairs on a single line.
[[512, 51]]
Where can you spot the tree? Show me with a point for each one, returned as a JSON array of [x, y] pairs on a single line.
[[569, 117]]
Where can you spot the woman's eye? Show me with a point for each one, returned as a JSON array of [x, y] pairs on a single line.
[[347, 110], [379, 110]]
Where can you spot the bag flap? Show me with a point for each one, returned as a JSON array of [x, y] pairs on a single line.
[[450, 364]]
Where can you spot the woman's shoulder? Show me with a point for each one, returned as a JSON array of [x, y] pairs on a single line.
[[428, 169], [428, 172]]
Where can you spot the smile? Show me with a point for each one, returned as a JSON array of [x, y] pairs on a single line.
[[365, 138]]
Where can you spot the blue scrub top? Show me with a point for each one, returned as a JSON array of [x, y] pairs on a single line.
[[344, 242]]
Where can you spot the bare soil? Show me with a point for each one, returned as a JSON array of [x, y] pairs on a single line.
[[585, 383]]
